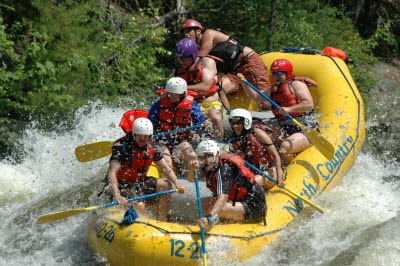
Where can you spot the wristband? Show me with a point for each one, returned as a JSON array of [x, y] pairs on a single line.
[[212, 219]]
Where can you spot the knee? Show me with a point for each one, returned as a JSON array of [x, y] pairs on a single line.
[[216, 120], [163, 185], [139, 206], [285, 147]]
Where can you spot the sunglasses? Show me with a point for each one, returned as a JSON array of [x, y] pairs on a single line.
[[183, 58], [280, 73], [235, 121]]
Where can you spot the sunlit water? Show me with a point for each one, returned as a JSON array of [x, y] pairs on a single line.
[[362, 227]]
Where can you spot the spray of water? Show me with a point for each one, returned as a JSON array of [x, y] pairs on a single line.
[[361, 227]]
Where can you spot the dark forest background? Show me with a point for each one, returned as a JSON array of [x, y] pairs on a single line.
[[58, 55]]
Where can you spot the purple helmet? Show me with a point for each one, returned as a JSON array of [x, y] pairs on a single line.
[[186, 47]]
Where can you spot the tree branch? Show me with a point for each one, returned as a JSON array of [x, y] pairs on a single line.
[[163, 20]]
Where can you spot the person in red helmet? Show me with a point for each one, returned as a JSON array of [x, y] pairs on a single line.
[[293, 95], [237, 58]]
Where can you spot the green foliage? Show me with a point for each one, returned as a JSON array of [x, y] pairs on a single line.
[[55, 56]]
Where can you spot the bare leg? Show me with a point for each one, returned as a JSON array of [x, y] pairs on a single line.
[[140, 207], [165, 200], [234, 213], [167, 157], [264, 182], [229, 88], [215, 115], [293, 144]]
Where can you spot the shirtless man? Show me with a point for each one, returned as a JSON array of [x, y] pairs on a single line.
[[237, 57]]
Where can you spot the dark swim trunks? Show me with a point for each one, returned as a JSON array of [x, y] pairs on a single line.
[[254, 205]]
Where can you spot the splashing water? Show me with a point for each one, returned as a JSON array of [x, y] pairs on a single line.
[[362, 226]]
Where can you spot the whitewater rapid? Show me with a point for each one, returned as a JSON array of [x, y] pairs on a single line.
[[362, 226]]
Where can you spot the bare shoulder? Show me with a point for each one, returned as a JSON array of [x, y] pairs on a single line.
[[258, 132], [215, 36], [297, 84], [208, 62]]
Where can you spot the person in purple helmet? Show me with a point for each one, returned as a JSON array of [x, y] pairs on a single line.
[[200, 73], [237, 57]]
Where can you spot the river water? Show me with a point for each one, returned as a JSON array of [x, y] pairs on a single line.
[[362, 227]]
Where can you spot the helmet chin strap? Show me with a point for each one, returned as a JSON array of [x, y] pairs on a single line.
[[197, 35]]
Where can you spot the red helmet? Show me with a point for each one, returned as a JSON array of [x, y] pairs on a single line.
[[282, 65], [191, 23]]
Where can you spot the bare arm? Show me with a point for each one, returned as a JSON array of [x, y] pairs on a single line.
[[266, 140], [192, 167], [113, 169], [219, 204], [208, 76], [170, 174], [217, 207], [304, 97]]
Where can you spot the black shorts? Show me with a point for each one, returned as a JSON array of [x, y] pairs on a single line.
[[254, 204], [290, 127], [139, 188]]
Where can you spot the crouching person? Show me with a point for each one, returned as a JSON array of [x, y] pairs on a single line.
[[236, 195], [130, 161], [176, 110]]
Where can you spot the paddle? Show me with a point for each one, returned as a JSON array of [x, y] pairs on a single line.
[[321, 143], [97, 150], [203, 244], [51, 217], [284, 188]]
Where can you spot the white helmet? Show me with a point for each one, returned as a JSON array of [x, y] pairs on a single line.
[[142, 126], [207, 146], [243, 114], [176, 85]]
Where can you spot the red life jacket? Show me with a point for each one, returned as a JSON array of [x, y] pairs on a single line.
[[138, 164], [251, 149], [192, 76], [237, 191], [129, 117], [283, 97], [175, 116]]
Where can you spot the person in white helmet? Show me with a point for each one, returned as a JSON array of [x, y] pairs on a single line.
[[236, 195], [130, 161], [176, 110], [255, 145]]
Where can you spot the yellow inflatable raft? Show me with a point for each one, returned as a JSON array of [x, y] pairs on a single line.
[[150, 242]]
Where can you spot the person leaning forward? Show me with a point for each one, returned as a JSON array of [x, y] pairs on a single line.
[[200, 73], [130, 161], [236, 195], [176, 110], [254, 144], [237, 58]]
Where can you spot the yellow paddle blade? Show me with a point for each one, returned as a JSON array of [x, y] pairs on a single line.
[[204, 259], [51, 217], [305, 200], [321, 143], [93, 151]]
